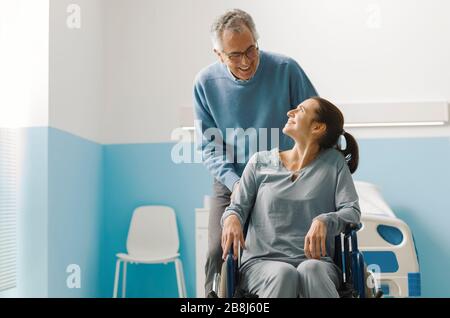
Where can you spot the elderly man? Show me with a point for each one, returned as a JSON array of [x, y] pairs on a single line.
[[247, 88]]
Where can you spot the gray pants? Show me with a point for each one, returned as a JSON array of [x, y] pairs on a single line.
[[274, 279], [219, 201]]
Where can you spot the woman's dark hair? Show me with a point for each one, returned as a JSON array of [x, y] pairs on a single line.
[[332, 117]]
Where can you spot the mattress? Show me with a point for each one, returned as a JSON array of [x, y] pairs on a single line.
[[371, 200]]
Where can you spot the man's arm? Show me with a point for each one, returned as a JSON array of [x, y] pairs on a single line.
[[213, 149], [237, 213]]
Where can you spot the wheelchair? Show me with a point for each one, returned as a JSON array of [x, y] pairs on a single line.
[[357, 281]]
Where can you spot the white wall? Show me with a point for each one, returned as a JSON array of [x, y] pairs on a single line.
[[123, 75], [76, 68], [154, 49], [23, 63], [353, 50], [406, 58], [366, 51]]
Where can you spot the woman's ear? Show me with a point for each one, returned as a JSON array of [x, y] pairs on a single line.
[[319, 128]]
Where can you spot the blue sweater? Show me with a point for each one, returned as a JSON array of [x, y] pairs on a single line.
[[221, 102]]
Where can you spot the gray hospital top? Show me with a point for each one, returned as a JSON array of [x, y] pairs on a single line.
[[281, 210]]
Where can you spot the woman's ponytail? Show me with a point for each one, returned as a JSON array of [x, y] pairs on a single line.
[[350, 152], [328, 113]]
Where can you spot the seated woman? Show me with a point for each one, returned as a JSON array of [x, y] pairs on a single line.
[[298, 201]]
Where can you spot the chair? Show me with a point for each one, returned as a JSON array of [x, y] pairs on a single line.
[[152, 239], [357, 281]]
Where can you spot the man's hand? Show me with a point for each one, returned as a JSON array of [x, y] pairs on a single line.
[[232, 234], [235, 190], [315, 240]]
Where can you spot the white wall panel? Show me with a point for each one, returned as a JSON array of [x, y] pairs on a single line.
[[76, 67]]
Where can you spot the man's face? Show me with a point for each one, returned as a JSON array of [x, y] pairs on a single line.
[[243, 66]]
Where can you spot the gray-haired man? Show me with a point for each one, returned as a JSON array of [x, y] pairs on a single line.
[[246, 89]]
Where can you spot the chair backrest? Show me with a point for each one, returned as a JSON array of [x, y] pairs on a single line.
[[153, 232]]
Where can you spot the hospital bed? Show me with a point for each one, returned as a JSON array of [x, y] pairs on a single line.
[[387, 245]]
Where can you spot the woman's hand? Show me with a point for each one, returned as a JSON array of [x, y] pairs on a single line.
[[315, 240], [232, 234]]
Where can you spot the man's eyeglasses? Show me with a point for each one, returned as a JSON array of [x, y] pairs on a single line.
[[236, 57]]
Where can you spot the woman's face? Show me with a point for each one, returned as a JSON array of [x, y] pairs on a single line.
[[300, 121]]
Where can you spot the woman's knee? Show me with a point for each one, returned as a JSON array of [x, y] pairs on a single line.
[[311, 268], [316, 280], [284, 274], [280, 280]]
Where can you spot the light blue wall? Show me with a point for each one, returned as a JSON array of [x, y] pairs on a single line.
[[414, 176], [141, 174], [75, 206], [59, 213], [33, 210]]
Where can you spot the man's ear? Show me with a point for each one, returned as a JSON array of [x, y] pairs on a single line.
[[219, 55]]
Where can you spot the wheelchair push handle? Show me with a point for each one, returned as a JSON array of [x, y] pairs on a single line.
[[352, 227]]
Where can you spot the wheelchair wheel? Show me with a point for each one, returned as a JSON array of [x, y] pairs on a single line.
[[223, 285]]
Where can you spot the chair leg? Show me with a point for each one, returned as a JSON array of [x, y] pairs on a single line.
[[116, 278], [180, 278], [124, 280], [183, 281]]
